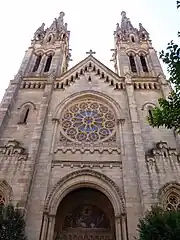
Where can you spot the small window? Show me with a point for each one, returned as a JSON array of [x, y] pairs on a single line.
[[143, 62], [49, 38], [37, 63], [132, 63], [48, 64], [143, 36], [132, 39], [24, 115], [150, 113]]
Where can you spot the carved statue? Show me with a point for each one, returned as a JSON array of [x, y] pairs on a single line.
[[40, 33]]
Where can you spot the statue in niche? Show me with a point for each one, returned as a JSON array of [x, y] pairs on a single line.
[[86, 216], [40, 33]]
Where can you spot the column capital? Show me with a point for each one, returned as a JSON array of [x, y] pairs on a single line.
[[120, 121], [54, 120]]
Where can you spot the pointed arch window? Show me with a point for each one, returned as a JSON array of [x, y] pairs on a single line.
[[132, 39], [143, 63], [25, 111], [132, 63], [48, 64], [2, 199], [173, 202], [37, 63], [24, 115]]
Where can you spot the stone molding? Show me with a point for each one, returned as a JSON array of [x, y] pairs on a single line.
[[92, 178], [161, 150], [14, 149]]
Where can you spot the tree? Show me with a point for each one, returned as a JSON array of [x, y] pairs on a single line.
[[168, 112], [12, 224], [160, 225]]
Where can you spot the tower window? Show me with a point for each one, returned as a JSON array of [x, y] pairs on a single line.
[[132, 39], [26, 115], [132, 63], [143, 62], [48, 64], [36, 65]]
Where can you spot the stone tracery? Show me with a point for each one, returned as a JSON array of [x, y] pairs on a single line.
[[88, 121], [172, 202]]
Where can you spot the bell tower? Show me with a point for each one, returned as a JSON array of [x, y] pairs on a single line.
[[49, 50], [133, 51]]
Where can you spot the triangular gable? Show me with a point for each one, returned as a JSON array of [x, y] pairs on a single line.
[[95, 62], [83, 67]]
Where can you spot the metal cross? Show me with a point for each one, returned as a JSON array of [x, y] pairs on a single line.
[[90, 52]]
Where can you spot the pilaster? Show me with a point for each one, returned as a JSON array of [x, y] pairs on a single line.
[[137, 137], [35, 147]]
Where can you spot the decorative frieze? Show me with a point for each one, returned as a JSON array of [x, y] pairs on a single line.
[[14, 149], [88, 164], [162, 153]]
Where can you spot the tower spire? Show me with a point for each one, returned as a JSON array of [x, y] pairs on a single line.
[[49, 49], [133, 50]]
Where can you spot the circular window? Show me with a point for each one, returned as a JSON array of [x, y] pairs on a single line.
[[88, 121]]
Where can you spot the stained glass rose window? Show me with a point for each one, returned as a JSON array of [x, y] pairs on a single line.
[[88, 121]]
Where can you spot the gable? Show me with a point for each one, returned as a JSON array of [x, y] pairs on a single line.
[[90, 67]]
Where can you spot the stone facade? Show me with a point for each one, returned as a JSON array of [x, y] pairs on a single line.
[[85, 129]]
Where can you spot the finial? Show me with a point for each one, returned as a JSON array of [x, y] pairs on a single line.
[[90, 52], [61, 14], [123, 14]]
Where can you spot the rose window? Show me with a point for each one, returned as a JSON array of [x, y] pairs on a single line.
[[88, 121], [173, 202]]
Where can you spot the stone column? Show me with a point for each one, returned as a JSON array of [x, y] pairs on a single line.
[[124, 227], [42, 64], [138, 65], [51, 220], [44, 228], [141, 72], [55, 123], [120, 125], [119, 233]]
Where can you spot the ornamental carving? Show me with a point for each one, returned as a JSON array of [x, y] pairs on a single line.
[[86, 216], [86, 172], [173, 202], [14, 149], [88, 121], [160, 153]]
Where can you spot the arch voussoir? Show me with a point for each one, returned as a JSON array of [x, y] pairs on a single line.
[[85, 178]]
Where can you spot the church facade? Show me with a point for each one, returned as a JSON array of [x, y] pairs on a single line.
[[76, 151]]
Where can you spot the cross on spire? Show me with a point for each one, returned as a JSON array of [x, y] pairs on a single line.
[[90, 52]]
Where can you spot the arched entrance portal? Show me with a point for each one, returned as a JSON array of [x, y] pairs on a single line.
[[85, 214]]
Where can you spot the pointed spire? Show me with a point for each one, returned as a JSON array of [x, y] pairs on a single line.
[[126, 24], [57, 31], [127, 32]]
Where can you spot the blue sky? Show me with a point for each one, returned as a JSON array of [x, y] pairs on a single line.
[[91, 24]]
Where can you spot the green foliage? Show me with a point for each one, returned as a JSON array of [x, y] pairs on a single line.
[[168, 112], [12, 224], [178, 4], [160, 225]]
